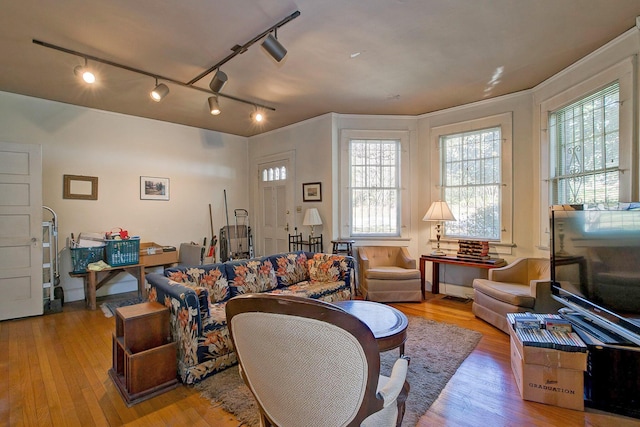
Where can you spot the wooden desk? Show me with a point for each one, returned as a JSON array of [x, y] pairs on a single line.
[[437, 260], [93, 281]]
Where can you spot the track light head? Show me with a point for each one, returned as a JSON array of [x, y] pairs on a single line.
[[274, 48], [257, 116], [85, 73], [218, 81], [160, 91], [214, 107]]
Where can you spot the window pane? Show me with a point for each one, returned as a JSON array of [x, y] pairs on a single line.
[[585, 139], [375, 191], [471, 183]]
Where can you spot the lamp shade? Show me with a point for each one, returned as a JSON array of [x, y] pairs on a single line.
[[439, 211], [312, 217]]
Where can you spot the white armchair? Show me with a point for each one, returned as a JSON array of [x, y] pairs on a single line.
[[522, 286], [309, 363]]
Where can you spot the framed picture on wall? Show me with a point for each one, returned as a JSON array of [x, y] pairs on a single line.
[[153, 188], [312, 192]]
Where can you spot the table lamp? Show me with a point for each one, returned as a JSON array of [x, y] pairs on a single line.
[[438, 211], [312, 217]]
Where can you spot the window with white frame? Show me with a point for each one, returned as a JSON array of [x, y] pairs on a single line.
[[471, 181], [584, 142], [474, 178], [374, 172], [586, 139]]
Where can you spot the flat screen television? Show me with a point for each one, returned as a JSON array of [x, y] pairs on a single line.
[[595, 268]]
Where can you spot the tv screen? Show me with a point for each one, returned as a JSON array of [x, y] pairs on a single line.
[[595, 264]]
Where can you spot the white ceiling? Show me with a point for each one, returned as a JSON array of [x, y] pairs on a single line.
[[415, 56]]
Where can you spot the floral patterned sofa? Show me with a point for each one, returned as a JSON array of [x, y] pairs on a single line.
[[196, 297]]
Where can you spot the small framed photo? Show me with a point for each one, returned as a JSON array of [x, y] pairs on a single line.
[[153, 188], [312, 192]]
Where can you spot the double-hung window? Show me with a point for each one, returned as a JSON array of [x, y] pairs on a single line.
[[474, 166], [585, 156], [373, 172]]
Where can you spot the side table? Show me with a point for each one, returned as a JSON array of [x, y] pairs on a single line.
[[343, 247], [144, 360], [437, 260]]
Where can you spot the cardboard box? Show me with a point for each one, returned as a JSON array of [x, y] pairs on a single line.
[[549, 357], [152, 254], [547, 384]]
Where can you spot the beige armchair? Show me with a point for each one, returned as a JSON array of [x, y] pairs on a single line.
[[522, 286], [310, 363], [388, 274]]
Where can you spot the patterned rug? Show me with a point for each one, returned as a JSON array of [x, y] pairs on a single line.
[[109, 307], [436, 349]]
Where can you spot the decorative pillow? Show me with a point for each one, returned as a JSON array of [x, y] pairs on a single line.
[[253, 276], [291, 268], [209, 276], [324, 268]]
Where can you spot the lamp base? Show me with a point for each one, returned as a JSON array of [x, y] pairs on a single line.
[[438, 252]]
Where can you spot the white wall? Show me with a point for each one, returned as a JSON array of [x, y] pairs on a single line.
[[118, 149]]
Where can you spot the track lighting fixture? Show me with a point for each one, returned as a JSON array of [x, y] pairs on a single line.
[[218, 81], [214, 107], [257, 116], [85, 73], [273, 46], [160, 91]]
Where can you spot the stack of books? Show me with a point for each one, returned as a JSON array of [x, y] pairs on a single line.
[[473, 249], [545, 338]]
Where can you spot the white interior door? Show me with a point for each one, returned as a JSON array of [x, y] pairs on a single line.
[[20, 230], [276, 206]]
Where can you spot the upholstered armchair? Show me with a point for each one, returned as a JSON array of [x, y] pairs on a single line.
[[309, 363], [522, 286], [388, 274]]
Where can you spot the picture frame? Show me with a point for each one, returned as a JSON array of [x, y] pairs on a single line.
[[154, 188], [312, 192], [80, 187]]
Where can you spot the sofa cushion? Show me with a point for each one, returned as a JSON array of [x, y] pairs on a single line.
[[290, 268], [251, 276], [324, 268], [326, 291], [391, 272], [211, 276], [510, 293]]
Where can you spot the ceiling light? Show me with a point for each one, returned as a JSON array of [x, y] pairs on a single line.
[[160, 91], [85, 73], [214, 107], [257, 116], [218, 81], [273, 47]]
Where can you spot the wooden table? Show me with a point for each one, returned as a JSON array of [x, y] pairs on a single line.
[[93, 281], [389, 326], [437, 260]]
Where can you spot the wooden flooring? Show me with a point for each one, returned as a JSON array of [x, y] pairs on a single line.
[[53, 372]]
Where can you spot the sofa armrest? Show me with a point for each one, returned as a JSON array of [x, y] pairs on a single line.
[[516, 272], [184, 308], [405, 260]]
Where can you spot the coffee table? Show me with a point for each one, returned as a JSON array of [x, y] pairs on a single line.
[[389, 325]]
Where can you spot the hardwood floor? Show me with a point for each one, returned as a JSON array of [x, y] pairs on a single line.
[[53, 372]]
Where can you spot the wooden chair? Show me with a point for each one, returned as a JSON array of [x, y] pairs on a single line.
[[315, 244], [309, 363], [295, 242]]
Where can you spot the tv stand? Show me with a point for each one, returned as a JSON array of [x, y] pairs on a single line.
[[612, 379]]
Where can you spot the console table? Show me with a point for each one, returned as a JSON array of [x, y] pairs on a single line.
[[437, 260], [93, 280]]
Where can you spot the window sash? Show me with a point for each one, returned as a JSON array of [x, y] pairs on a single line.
[[374, 167], [585, 141], [472, 180]]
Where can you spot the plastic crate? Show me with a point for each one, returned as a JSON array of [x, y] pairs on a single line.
[[123, 252], [82, 257]]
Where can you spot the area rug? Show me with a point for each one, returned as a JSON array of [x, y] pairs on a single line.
[[109, 307], [436, 349]]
